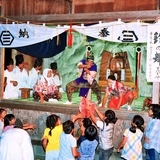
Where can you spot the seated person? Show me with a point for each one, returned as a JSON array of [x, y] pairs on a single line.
[[35, 72], [21, 73], [45, 89], [56, 76], [10, 81]]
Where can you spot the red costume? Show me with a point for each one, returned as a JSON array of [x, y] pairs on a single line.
[[114, 95]]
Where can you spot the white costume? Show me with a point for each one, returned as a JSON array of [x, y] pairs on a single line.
[[16, 145], [22, 79], [58, 82], [33, 77], [10, 90]]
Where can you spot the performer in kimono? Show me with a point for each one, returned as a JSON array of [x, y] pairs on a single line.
[[45, 89], [85, 81], [117, 94], [10, 90]]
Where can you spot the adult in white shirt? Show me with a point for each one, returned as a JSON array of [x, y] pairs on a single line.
[[22, 75], [56, 76], [35, 72], [16, 145], [10, 81]]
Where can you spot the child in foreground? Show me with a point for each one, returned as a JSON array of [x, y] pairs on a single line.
[[106, 128], [9, 121], [51, 137], [68, 143], [3, 113], [83, 124], [131, 143], [152, 133], [88, 143]]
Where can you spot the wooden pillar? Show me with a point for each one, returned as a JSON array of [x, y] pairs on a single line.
[[155, 93], [158, 5], [2, 52]]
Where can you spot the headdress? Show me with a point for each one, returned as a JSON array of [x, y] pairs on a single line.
[[90, 57]]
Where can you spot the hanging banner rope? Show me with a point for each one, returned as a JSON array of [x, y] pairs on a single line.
[[19, 35], [70, 36]]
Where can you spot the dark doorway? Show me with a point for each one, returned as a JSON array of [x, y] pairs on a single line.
[[8, 54]]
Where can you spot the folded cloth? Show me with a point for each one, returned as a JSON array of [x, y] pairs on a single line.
[[53, 100]]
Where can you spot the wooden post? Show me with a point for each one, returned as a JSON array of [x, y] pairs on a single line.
[[158, 5], [155, 93], [2, 52]]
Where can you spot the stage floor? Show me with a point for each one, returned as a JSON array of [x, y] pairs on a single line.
[[136, 105]]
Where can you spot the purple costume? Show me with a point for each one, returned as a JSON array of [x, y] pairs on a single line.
[[84, 83], [84, 91]]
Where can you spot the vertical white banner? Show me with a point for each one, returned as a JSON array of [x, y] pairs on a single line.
[[153, 53]]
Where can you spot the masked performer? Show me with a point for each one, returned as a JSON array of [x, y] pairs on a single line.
[[85, 81]]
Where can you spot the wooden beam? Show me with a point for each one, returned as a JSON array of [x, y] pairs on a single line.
[[146, 15]]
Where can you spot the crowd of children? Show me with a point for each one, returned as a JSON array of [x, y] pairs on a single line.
[[61, 141], [97, 132]]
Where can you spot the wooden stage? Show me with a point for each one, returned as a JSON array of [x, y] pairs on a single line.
[[62, 108]]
